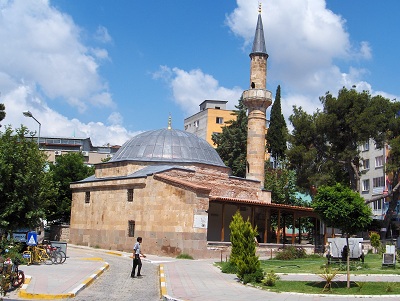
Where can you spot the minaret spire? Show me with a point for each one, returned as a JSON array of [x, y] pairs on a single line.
[[257, 99], [259, 41]]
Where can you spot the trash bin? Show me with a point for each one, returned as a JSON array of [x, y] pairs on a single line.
[[60, 244]]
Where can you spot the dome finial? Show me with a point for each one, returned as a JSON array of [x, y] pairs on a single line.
[[169, 122], [259, 8]]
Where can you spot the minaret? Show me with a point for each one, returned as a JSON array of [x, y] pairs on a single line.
[[257, 99]]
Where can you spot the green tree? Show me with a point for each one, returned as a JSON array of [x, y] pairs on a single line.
[[375, 240], [277, 131], [282, 184], [232, 142], [2, 111], [340, 207], [26, 188], [68, 168], [324, 146], [243, 254]]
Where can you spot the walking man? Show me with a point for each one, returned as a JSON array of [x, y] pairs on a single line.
[[137, 262]]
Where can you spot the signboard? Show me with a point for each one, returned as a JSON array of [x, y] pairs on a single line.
[[200, 221], [388, 259], [20, 237], [31, 239]]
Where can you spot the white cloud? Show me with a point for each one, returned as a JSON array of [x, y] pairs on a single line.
[[303, 39], [190, 88], [41, 45], [42, 59], [54, 124]]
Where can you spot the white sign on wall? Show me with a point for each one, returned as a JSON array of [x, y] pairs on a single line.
[[200, 221]]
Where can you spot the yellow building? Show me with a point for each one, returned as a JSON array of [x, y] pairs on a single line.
[[211, 119]]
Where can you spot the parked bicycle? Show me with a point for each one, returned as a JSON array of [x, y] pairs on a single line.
[[54, 252], [38, 255]]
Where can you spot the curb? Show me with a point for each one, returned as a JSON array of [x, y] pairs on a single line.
[[24, 294], [163, 287]]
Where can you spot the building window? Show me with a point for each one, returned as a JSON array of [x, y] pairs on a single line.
[[219, 120], [366, 164], [379, 182], [365, 146], [131, 228], [365, 185], [87, 197], [130, 195], [196, 123], [379, 161], [378, 205], [218, 108]]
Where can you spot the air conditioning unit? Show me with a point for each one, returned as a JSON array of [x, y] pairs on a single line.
[[57, 153], [85, 153]]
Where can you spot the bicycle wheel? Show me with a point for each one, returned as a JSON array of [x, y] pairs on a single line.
[[44, 257], [18, 279], [64, 257], [56, 257]]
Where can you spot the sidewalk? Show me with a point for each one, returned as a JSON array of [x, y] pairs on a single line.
[[60, 281], [188, 280], [195, 280]]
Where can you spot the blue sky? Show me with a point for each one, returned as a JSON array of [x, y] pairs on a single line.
[[109, 70]]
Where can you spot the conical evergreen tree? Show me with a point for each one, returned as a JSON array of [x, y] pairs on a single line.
[[243, 254], [277, 131]]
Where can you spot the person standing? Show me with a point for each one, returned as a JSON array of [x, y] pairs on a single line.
[[137, 262]]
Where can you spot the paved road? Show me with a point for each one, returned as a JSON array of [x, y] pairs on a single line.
[[194, 280], [116, 283]]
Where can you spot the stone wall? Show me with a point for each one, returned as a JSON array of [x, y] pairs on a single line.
[[163, 215]]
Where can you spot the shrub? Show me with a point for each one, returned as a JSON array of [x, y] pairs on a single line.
[[328, 275], [228, 268], [291, 252], [271, 278], [184, 256], [255, 277]]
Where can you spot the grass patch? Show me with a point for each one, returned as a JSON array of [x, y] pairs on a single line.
[[184, 256], [337, 288], [315, 265]]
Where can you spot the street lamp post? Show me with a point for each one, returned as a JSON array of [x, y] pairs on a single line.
[[29, 114]]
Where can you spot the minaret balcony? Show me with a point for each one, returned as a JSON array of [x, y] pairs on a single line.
[[257, 97]]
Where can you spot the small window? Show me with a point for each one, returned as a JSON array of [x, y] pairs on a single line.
[[378, 204], [366, 164], [379, 182], [130, 195], [365, 185], [365, 146], [219, 120], [87, 197], [379, 161], [131, 228], [196, 123], [218, 108]]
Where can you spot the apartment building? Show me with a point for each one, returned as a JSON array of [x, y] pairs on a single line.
[[57, 146], [373, 179], [211, 119]]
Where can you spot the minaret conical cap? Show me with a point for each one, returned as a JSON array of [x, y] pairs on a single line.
[[259, 41]]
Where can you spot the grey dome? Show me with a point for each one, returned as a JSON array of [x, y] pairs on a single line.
[[168, 146]]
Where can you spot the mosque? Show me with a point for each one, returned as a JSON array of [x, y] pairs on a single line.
[[172, 188]]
